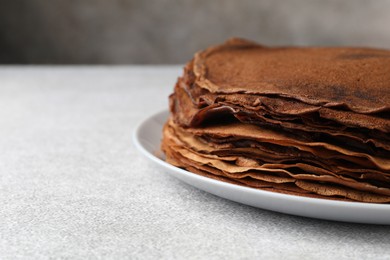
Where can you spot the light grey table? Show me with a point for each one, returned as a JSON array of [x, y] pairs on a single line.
[[72, 184]]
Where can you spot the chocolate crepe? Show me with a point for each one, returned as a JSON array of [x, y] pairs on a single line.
[[304, 121]]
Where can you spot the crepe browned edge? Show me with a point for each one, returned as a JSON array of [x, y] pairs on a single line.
[[276, 158], [242, 166], [177, 106], [179, 162], [318, 188], [187, 114], [252, 130], [354, 78], [281, 111], [283, 107], [258, 133]]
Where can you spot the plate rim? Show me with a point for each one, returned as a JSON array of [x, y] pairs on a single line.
[[275, 195]]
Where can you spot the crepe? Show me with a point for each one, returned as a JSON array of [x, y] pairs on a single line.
[[355, 78], [304, 121]]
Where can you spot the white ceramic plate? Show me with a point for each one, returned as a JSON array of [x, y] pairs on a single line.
[[147, 138]]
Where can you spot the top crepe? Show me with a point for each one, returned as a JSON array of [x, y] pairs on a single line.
[[354, 79]]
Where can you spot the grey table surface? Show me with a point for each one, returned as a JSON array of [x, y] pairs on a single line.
[[72, 184]]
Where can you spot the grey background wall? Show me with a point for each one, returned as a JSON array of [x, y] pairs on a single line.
[[169, 31]]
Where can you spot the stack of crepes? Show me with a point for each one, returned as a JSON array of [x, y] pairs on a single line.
[[311, 122]]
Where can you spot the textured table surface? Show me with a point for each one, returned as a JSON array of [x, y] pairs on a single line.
[[72, 184]]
